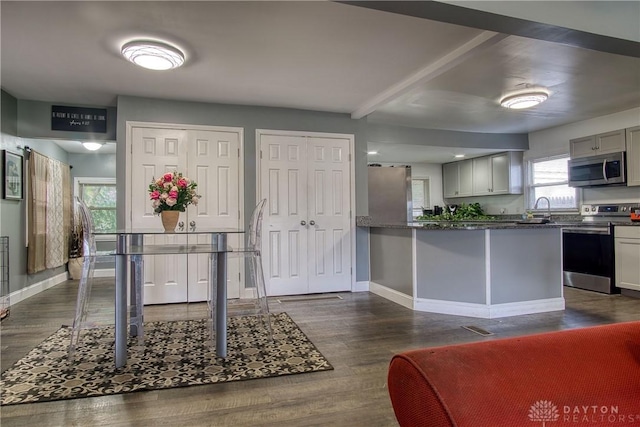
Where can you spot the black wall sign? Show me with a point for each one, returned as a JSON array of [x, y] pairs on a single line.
[[78, 119]]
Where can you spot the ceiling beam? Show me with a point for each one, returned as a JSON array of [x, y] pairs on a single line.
[[474, 46], [474, 18]]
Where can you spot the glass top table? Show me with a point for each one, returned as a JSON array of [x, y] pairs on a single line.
[[131, 246]]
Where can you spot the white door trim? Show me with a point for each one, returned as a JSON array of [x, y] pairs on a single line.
[[352, 176], [181, 126], [130, 125]]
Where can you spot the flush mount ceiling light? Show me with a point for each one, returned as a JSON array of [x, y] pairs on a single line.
[[524, 100], [92, 145], [372, 152], [153, 55], [459, 156]]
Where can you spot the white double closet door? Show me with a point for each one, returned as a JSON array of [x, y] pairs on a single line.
[[307, 233], [212, 158]]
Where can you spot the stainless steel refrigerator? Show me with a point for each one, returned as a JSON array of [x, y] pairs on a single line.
[[390, 194]]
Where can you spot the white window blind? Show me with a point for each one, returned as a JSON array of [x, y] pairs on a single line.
[[549, 177]]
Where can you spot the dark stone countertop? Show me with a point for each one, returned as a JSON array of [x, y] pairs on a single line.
[[499, 224]]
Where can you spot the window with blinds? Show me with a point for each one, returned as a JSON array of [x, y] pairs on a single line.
[[549, 177]]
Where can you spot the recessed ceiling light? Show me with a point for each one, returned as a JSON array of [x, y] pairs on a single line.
[[524, 100], [153, 55], [372, 152], [459, 156], [92, 145]]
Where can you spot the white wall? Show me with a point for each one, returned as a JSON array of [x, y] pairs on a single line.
[[508, 204], [555, 141]]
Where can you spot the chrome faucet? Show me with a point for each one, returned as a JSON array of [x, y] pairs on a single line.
[[535, 206]]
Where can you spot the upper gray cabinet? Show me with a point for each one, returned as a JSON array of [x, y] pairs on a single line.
[[633, 156], [457, 179], [604, 143], [498, 174], [489, 175]]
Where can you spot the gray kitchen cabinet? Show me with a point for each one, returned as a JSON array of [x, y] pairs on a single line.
[[627, 257], [457, 179], [466, 178], [498, 174], [582, 147], [633, 156], [604, 143], [450, 179], [481, 176]]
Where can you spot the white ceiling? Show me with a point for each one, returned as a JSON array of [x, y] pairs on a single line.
[[321, 56]]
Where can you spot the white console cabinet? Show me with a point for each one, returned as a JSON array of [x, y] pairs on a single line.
[[627, 254]]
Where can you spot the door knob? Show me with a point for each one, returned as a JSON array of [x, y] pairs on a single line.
[[303, 222], [181, 225], [312, 222], [192, 224]]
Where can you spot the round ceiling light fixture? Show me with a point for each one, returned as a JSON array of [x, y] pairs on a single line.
[[153, 55], [92, 145], [524, 100]]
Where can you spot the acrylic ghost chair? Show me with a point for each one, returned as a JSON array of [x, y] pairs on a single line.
[[91, 256], [253, 251]]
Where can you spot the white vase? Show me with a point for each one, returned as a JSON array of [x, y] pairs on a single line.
[[75, 268]]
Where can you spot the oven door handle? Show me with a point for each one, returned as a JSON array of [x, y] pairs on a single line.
[[604, 170], [587, 230]]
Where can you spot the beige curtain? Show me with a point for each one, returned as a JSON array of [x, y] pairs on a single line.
[[49, 215]]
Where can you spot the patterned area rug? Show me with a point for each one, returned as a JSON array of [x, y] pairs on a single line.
[[175, 354]]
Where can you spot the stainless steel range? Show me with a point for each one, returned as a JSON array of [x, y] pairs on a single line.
[[588, 256]]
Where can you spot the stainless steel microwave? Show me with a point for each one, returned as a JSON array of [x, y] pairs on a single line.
[[604, 169]]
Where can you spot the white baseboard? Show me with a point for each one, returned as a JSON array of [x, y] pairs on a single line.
[[457, 308], [362, 286], [36, 288], [391, 294], [104, 272], [489, 311], [527, 307]]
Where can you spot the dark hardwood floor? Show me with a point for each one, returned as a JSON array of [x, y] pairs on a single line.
[[358, 333]]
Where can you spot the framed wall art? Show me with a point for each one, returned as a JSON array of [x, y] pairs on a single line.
[[13, 176]]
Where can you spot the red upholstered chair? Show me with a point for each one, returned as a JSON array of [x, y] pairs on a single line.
[[515, 381]]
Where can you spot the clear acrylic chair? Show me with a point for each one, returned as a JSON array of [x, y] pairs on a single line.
[[253, 251], [82, 214], [254, 246], [90, 257]]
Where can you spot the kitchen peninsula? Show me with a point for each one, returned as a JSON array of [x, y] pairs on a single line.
[[485, 270]]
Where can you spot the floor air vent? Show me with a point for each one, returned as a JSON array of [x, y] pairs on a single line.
[[308, 298], [478, 330]]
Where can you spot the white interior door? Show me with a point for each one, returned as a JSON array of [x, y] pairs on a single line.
[[212, 159], [154, 152], [307, 227], [213, 163], [284, 238], [329, 245]]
